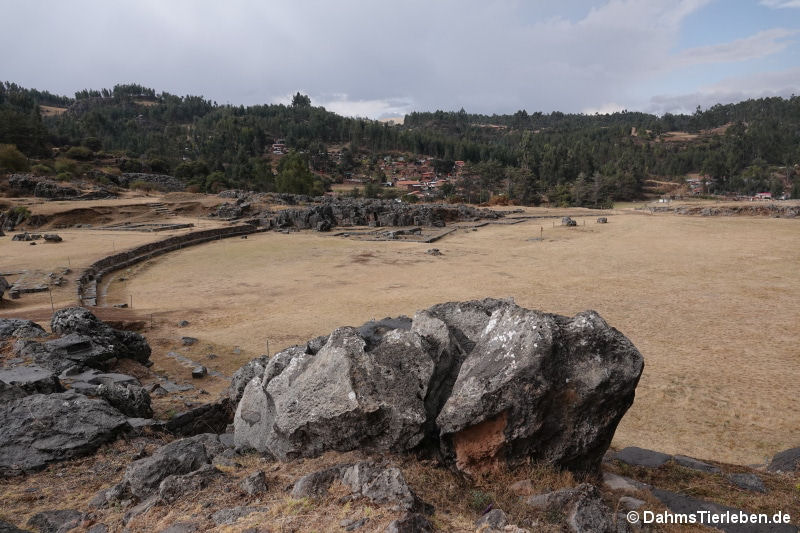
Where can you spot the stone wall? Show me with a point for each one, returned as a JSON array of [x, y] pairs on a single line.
[[87, 283]]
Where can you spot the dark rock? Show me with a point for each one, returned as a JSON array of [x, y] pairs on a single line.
[[353, 525], [131, 400], [59, 521], [433, 251], [26, 237], [6, 527], [411, 523], [31, 379], [199, 372], [694, 464], [681, 504], [40, 429], [226, 517], [162, 181], [4, 286], [602, 220], [10, 392], [786, 461], [141, 508], [52, 237], [182, 527], [642, 457], [316, 484], [176, 486], [86, 341], [121, 306], [183, 323], [567, 221], [748, 481], [15, 327], [143, 477], [255, 483], [98, 528], [188, 341], [382, 485], [494, 519], [582, 507], [211, 417]]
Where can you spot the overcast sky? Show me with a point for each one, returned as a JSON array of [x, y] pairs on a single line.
[[380, 58]]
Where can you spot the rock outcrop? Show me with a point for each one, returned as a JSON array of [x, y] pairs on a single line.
[[18, 328], [42, 428], [86, 342], [488, 382]]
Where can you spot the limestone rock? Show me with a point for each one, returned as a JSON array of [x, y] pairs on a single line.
[[486, 381], [540, 387]]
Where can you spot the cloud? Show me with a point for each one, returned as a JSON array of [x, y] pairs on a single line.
[[761, 44], [370, 58], [784, 83], [780, 4], [604, 109]]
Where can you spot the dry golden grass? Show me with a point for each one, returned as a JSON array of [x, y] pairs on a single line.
[[712, 303]]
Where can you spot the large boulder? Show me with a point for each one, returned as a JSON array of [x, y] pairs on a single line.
[[42, 428], [540, 387], [486, 381], [86, 341]]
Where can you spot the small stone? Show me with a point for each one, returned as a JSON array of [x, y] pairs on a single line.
[[642, 457], [694, 464], [630, 504], [494, 519], [410, 523], [188, 341], [199, 372], [183, 323], [749, 482], [255, 483]]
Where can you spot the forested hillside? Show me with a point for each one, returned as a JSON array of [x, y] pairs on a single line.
[[577, 159]]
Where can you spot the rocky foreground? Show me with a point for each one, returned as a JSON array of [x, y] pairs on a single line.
[[469, 416]]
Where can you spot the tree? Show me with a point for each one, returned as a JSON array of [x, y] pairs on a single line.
[[294, 177], [301, 100]]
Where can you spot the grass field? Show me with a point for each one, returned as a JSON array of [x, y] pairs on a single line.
[[713, 304]]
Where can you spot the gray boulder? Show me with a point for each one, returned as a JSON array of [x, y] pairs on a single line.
[[458, 376], [582, 508], [494, 519], [19, 328], [175, 486], [6, 527], [540, 387], [344, 397], [642, 457], [59, 521], [255, 483], [410, 523], [383, 485], [40, 429], [143, 477], [131, 400], [126, 344], [786, 461]]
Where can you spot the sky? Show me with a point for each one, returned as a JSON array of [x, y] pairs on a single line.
[[382, 58]]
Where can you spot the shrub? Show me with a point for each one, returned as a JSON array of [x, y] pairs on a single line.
[[19, 213], [130, 165], [67, 166], [92, 143], [159, 166], [145, 186], [410, 198], [11, 159], [42, 170], [79, 152]]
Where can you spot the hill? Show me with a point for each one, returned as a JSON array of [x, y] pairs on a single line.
[[564, 159]]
